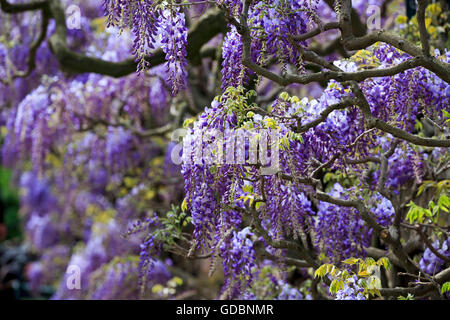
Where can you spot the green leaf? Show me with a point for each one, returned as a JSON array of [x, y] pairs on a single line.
[[385, 262], [178, 281], [157, 288], [318, 272], [375, 292], [324, 269], [363, 273], [336, 285], [444, 203], [284, 96], [408, 297], [445, 287], [370, 262], [446, 114], [350, 261], [184, 205], [374, 282]]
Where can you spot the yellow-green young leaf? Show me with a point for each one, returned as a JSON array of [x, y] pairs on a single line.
[[334, 270], [295, 99], [178, 280], [374, 292], [330, 268], [323, 270], [184, 205], [418, 126], [420, 190], [363, 284], [370, 262], [442, 184], [345, 275], [446, 114], [445, 287], [413, 213], [284, 96], [444, 202], [378, 293], [319, 272], [350, 261], [334, 286], [363, 273], [385, 262], [362, 266], [372, 268], [340, 284], [157, 288], [426, 184], [187, 122], [247, 198], [374, 282]]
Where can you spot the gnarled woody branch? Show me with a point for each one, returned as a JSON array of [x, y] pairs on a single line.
[[440, 68], [367, 216], [212, 24], [350, 42], [389, 236], [420, 289], [208, 26], [422, 27], [345, 25]]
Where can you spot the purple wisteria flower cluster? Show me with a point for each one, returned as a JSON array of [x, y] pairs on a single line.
[[356, 124], [432, 264], [351, 291], [153, 28]]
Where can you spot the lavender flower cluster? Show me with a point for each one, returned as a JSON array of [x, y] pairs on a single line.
[[86, 168], [432, 264], [351, 290]]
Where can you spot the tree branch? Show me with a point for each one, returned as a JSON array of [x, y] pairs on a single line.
[[208, 26], [422, 5], [22, 7]]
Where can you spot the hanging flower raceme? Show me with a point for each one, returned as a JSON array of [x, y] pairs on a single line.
[[144, 21], [274, 22], [29, 130], [232, 68], [154, 26], [239, 259], [173, 43], [431, 263]]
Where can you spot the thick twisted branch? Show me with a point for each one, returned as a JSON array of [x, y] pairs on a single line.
[[208, 26]]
